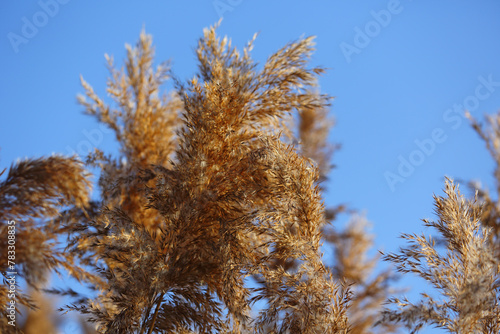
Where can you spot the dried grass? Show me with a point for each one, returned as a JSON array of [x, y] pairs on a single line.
[[215, 186]]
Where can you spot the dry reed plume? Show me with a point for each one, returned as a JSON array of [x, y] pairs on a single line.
[[465, 274]]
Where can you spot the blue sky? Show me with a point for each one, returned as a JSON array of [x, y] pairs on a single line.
[[401, 73]]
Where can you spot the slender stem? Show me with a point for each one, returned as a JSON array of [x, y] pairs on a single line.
[[143, 327], [158, 303]]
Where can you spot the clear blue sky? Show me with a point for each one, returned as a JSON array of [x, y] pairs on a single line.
[[401, 72]]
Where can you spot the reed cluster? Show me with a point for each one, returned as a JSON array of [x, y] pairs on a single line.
[[210, 218]]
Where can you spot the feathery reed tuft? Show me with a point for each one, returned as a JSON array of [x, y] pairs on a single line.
[[465, 274], [207, 194]]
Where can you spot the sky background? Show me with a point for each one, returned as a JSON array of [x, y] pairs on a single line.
[[399, 70]]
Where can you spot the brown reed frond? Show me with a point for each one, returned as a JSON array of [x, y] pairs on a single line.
[[231, 200], [33, 190], [352, 264], [144, 124], [466, 275], [314, 127], [305, 299], [37, 188], [490, 134]]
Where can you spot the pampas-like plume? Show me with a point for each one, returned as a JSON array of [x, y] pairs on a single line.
[[465, 274], [36, 189], [222, 200]]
